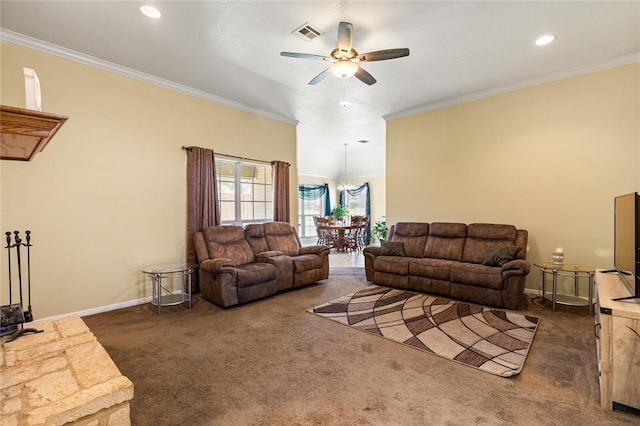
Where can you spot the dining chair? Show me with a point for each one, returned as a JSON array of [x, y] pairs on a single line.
[[325, 236], [318, 230], [362, 231], [352, 234]]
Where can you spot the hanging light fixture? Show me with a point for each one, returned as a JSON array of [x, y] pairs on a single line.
[[343, 68], [344, 183]]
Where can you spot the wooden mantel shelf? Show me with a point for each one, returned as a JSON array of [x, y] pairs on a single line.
[[25, 132]]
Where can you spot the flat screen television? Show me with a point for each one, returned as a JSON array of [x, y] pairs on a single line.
[[626, 255]]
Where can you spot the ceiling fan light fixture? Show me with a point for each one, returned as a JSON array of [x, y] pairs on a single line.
[[344, 69], [151, 12], [345, 58], [545, 39]]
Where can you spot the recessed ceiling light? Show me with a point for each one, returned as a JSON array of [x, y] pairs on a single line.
[[546, 39], [345, 103], [151, 12], [363, 141]]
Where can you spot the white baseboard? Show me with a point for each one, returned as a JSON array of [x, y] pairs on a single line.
[[97, 310], [532, 291]]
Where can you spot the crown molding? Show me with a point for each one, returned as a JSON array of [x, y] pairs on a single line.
[[549, 78], [72, 55]]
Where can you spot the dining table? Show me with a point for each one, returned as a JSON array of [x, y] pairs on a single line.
[[340, 230]]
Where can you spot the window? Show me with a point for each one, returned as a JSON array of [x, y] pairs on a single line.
[[245, 191], [359, 204], [307, 209], [356, 201], [313, 201]]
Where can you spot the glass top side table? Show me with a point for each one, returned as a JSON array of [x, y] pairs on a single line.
[[574, 270], [162, 296]]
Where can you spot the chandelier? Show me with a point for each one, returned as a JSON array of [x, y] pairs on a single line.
[[344, 184]]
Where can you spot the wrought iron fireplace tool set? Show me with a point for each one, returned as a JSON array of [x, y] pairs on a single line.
[[13, 315]]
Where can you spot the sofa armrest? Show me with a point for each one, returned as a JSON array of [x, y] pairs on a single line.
[[370, 253], [516, 267], [319, 249], [264, 256], [218, 266], [218, 281], [513, 279]]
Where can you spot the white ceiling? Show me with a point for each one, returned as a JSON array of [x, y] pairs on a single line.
[[230, 49]]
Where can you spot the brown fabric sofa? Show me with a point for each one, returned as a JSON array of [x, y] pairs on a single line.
[[474, 262], [238, 265]]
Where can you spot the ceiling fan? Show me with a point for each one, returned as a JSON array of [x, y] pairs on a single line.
[[345, 58]]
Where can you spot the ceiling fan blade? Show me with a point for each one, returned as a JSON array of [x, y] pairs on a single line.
[[318, 78], [383, 55], [345, 36], [364, 76], [305, 56]]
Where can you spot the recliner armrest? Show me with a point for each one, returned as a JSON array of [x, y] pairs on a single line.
[[372, 251], [217, 266], [264, 256], [319, 249], [516, 267]]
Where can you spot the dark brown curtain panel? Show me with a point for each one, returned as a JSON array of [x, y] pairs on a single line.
[[202, 198], [280, 191]]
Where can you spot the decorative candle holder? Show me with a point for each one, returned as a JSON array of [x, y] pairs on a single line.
[[557, 257]]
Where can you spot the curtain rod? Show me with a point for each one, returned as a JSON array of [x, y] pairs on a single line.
[[188, 148]]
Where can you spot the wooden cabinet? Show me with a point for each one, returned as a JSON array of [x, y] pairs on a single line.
[[25, 132], [618, 346]]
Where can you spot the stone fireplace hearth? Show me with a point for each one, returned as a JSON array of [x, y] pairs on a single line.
[[61, 376]]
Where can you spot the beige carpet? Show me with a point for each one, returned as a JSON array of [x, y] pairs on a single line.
[[346, 270], [491, 340], [272, 363]]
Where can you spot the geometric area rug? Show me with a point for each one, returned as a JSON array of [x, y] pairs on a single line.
[[488, 339]]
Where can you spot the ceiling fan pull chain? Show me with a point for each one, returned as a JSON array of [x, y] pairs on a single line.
[[344, 102]]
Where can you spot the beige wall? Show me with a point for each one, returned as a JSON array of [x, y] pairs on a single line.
[[107, 195], [549, 159]]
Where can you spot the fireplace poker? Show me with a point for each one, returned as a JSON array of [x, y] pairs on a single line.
[[17, 245], [8, 234], [28, 315]]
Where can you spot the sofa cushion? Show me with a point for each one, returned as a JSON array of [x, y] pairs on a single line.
[[413, 235], [446, 241], [255, 273], [482, 236], [431, 268], [281, 236], [254, 233], [391, 248], [228, 242], [499, 255], [392, 264], [307, 262], [477, 275]]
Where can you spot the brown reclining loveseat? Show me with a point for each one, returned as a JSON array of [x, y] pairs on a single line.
[[238, 265]]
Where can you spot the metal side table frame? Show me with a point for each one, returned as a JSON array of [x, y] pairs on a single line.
[[573, 270], [157, 273]]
